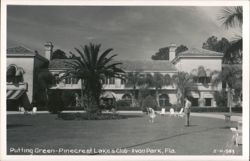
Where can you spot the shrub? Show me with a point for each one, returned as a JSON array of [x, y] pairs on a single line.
[[221, 98], [128, 108], [122, 103], [55, 103], [149, 101], [68, 97], [89, 116]]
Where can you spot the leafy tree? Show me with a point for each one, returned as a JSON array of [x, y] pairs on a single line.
[[163, 53], [221, 98], [59, 54], [231, 75], [44, 79], [214, 44], [180, 49], [92, 68]]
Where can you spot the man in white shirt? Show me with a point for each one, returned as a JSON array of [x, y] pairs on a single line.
[[187, 110]]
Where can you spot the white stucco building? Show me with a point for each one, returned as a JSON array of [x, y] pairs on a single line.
[[199, 62]]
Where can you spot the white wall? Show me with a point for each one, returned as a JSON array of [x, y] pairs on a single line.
[[187, 64]]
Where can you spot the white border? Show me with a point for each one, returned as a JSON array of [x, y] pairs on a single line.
[[244, 3]]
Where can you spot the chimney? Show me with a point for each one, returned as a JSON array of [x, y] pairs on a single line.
[[48, 50], [172, 49]]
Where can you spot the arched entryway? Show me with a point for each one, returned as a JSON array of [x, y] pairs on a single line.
[[163, 100], [128, 98]]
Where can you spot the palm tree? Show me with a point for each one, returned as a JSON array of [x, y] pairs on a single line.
[[232, 17], [184, 84], [133, 79], [92, 68], [231, 76], [157, 81]]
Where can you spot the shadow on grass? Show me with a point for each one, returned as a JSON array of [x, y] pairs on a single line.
[[16, 126], [166, 138]]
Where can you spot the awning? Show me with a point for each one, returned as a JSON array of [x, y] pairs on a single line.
[[195, 95], [108, 95], [208, 95], [14, 94]]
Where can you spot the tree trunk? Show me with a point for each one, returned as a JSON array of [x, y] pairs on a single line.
[[82, 94], [229, 100], [156, 97], [133, 97]]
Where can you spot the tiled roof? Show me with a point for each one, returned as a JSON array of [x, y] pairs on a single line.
[[199, 52], [147, 65], [60, 63], [19, 50], [127, 65]]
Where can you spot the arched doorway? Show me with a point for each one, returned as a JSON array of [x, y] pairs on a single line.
[[128, 98], [163, 100]]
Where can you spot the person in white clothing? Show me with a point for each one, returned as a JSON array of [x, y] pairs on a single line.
[[151, 115], [187, 110]]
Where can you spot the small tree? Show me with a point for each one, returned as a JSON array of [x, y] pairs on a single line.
[[231, 75]]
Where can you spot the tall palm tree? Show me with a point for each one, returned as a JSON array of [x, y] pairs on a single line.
[[156, 81], [184, 84], [133, 80], [92, 67], [232, 17], [229, 75]]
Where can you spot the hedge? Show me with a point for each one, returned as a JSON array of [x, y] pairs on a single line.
[[193, 109]]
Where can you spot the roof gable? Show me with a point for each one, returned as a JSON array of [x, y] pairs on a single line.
[[199, 52], [19, 50]]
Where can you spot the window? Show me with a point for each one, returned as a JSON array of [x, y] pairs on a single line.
[[123, 81], [67, 80], [164, 100], [195, 101], [74, 80], [127, 98], [202, 79], [208, 101], [11, 73], [57, 79], [112, 80], [15, 74]]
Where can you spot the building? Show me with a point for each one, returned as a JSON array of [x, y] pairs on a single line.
[[23, 65], [199, 62]]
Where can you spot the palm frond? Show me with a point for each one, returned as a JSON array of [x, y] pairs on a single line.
[[232, 17]]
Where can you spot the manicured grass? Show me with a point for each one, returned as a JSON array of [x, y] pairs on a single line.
[[46, 131]]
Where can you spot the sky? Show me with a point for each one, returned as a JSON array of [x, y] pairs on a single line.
[[134, 32]]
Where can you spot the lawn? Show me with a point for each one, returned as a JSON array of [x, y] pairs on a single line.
[[46, 134]]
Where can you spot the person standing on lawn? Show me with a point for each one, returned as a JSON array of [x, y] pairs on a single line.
[[187, 110], [151, 115]]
